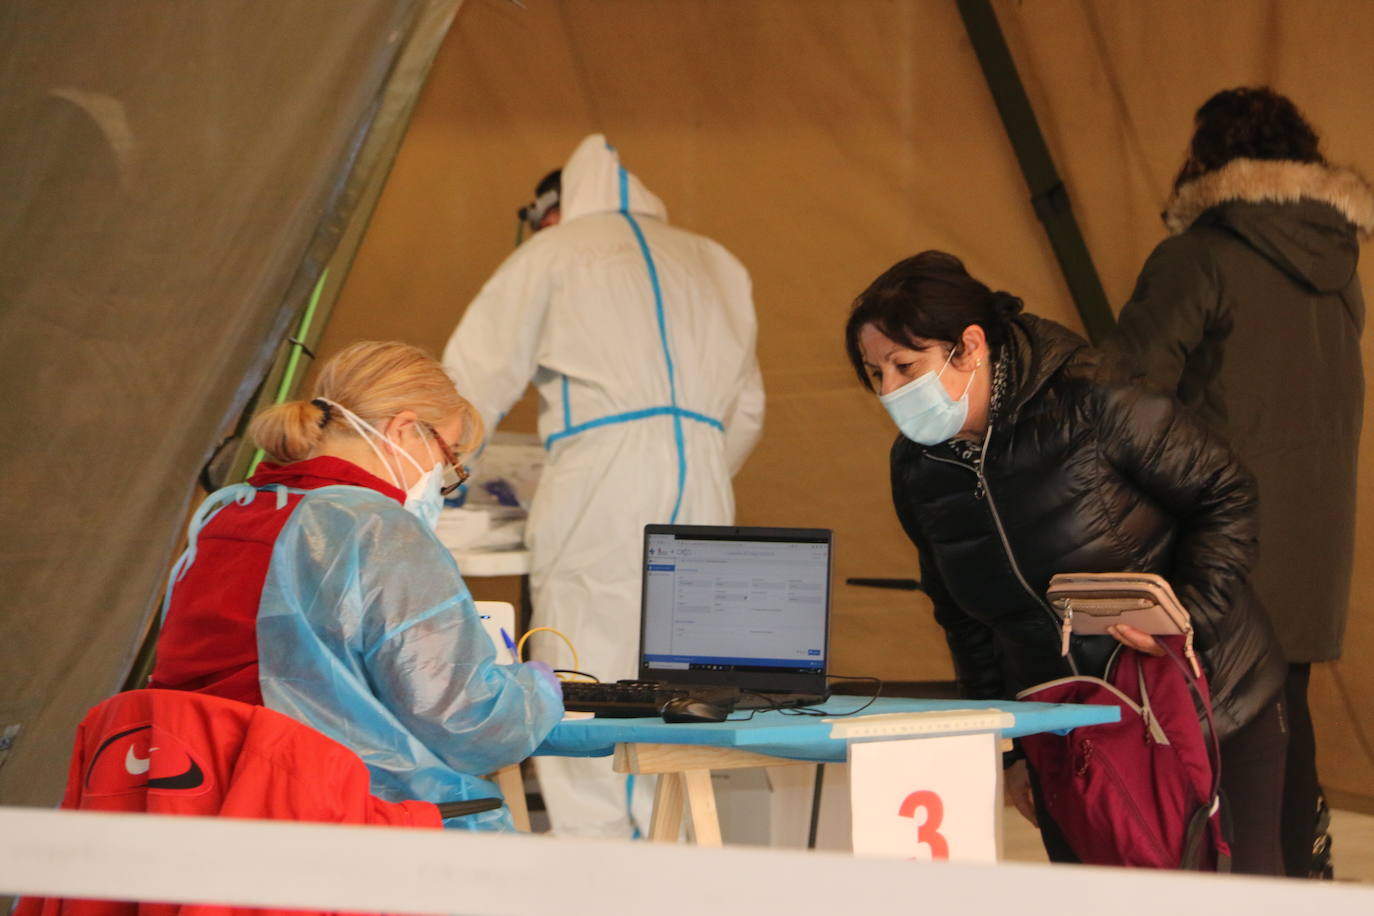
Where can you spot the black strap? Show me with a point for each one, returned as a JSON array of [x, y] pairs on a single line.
[[1197, 823], [1209, 735], [474, 806]]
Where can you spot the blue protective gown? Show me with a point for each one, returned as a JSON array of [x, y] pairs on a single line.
[[367, 632]]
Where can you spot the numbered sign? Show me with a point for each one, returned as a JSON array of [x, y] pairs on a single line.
[[926, 798]]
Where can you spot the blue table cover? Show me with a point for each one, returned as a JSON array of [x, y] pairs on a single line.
[[782, 734]]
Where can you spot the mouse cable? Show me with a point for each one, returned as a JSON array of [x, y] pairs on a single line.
[[817, 711], [771, 707], [589, 678], [753, 711], [877, 691]]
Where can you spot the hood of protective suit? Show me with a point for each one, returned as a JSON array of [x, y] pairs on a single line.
[[1301, 216], [595, 182]]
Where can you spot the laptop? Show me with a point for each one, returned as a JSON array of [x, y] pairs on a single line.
[[733, 614]]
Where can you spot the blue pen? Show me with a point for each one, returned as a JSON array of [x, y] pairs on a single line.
[[510, 644]]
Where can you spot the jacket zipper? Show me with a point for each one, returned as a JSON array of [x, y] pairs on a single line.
[[982, 492], [1146, 830]]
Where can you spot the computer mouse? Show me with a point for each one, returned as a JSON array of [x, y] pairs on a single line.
[[693, 709]]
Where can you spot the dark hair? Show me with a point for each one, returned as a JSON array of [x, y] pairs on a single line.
[[926, 297], [1247, 124], [550, 182]]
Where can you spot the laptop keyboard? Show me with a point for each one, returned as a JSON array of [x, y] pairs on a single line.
[[634, 699]]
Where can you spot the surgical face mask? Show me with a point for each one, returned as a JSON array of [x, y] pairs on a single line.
[[923, 409], [423, 498]]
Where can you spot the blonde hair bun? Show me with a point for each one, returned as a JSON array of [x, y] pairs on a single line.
[[288, 432]]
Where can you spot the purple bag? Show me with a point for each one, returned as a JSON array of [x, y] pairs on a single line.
[[1143, 791]]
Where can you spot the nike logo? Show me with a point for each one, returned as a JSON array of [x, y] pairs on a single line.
[[135, 765], [115, 775], [192, 778]]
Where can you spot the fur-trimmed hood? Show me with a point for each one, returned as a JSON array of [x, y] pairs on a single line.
[[1274, 181], [1304, 217]]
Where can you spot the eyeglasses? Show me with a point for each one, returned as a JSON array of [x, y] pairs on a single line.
[[455, 475]]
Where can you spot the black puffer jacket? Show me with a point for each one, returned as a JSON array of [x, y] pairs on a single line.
[[1084, 472]]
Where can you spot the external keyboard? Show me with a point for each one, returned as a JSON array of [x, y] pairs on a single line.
[[630, 699]]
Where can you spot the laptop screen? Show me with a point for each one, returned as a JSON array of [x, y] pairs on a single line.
[[745, 607]]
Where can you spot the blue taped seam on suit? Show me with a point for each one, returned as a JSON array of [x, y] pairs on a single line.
[[630, 417], [567, 407], [635, 833], [663, 338]]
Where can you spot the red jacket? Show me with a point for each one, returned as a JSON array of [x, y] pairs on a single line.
[[176, 752], [209, 639]]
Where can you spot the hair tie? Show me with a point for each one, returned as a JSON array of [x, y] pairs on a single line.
[[325, 408]]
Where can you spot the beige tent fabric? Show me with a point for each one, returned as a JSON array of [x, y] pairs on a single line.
[[820, 142], [166, 201], [1115, 86]]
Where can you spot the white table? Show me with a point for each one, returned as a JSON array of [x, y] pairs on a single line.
[[483, 563]]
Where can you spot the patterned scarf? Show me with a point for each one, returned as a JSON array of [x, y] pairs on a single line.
[[971, 450]]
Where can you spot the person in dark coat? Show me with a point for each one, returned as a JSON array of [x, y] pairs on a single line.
[[1024, 453], [1251, 314]]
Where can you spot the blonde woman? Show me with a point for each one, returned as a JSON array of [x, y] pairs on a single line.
[[319, 589]]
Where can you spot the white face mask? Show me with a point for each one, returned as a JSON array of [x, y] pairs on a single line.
[[423, 498], [923, 409]]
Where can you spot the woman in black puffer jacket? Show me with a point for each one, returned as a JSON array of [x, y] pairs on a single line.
[[1023, 454]]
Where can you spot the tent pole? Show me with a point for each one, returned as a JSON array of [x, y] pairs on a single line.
[[1049, 197]]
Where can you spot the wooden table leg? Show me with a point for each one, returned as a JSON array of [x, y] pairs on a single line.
[[666, 822], [701, 801], [512, 786], [685, 776]]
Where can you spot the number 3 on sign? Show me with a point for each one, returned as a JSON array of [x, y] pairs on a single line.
[[928, 832], [932, 799]]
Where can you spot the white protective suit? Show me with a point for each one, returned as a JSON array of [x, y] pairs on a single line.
[[640, 339]]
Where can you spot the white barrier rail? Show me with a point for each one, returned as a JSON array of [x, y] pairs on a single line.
[[312, 866]]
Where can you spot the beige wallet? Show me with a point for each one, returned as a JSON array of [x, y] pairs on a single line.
[[1089, 603]]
